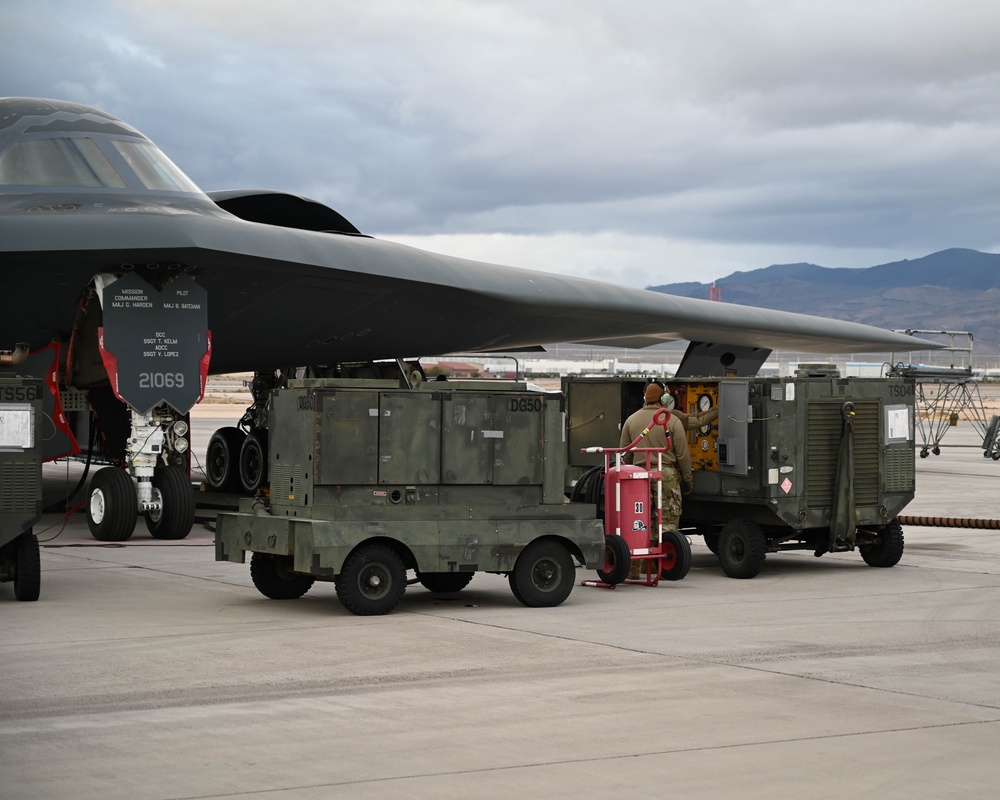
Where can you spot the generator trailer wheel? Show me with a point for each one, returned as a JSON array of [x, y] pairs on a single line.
[[742, 548], [887, 549], [372, 580], [444, 582], [28, 569], [543, 574]]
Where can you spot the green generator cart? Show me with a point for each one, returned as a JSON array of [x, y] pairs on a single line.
[[21, 479], [816, 461], [369, 479]]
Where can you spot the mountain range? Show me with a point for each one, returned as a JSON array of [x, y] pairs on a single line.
[[953, 290]]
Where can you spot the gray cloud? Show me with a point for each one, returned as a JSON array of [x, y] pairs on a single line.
[[647, 130]]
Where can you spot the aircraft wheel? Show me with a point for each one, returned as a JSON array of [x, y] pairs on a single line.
[[175, 517], [742, 548], [617, 560], [543, 575], [222, 460], [372, 580], [27, 568], [676, 559], [253, 461], [274, 577], [887, 549], [112, 508], [444, 581]]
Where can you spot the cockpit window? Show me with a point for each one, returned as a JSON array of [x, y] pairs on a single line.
[[58, 162], [155, 170]]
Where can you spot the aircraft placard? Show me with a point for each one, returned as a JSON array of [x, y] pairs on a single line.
[[156, 344]]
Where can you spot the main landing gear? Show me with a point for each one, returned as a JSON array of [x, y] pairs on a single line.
[[237, 457], [237, 460]]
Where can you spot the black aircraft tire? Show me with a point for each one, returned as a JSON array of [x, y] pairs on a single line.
[[28, 568], [742, 548], [887, 551], [372, 580], [176, 518], [222, 460], [273, 576], [675, 563], [618, 558], [253, 461], [711, 540], [112, 508], [444, 581], [543, 574]]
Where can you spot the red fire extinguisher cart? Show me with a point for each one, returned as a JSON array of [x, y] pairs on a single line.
[[628, 526]]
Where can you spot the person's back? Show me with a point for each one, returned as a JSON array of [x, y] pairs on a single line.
[[676, 461], [678, 455]]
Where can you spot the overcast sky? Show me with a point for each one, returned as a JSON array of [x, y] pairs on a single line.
[[638, 141]]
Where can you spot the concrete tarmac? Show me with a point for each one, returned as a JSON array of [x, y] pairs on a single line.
[[148, 670]]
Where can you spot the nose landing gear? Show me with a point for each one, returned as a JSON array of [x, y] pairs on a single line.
[[151, 483]]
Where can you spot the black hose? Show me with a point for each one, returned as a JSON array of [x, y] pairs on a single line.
[[63, 504]]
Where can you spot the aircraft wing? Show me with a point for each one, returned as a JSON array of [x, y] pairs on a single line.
[[283, 296], [82, 194]]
